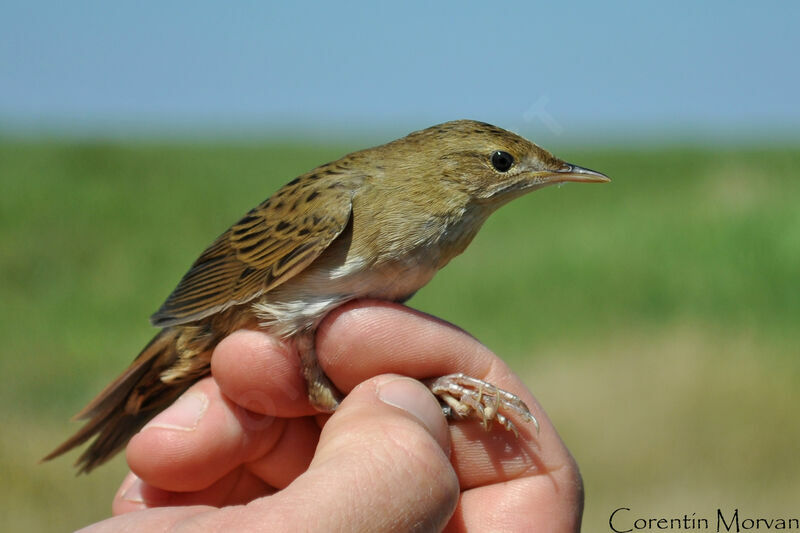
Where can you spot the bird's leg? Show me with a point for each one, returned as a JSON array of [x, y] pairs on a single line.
[[322, 394], [463, 396]]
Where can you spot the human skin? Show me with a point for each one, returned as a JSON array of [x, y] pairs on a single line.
[[244, 449]]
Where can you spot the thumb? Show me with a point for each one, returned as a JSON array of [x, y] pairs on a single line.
[[381, 463]]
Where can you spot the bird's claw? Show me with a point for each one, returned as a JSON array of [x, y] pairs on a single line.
[[463, 396]]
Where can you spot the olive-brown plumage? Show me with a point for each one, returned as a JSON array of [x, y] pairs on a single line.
[[378, 223]]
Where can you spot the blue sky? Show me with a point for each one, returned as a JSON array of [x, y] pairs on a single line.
[[570, 69]]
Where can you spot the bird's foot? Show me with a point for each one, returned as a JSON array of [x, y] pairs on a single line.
[[463, 396]]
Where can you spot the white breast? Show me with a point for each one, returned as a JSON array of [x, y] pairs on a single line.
[[341, 273], [304, 300]]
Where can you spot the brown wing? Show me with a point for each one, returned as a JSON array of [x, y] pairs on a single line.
[[272, 243]]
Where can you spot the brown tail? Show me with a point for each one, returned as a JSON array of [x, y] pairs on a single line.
[[138, 394]]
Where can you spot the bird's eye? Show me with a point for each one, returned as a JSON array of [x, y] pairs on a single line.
[[502, 161]]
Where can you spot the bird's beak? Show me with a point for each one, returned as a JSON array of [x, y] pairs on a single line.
[[532, 180], [570, 172]]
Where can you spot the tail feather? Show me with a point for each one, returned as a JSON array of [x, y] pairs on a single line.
[[113, 393], [130, 401]]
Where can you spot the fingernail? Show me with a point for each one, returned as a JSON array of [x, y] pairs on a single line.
[[183, 415], [132, 489], [414, 398]]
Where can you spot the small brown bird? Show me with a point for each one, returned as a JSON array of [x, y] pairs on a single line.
[[378, 223]]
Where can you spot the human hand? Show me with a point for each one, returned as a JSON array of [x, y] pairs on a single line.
[[244, 449]]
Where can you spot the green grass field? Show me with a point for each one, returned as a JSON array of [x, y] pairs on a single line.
[[656, 318]]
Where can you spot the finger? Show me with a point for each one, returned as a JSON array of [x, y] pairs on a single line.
[[381, 462], [366, 338], [200, 439], [238, 487], [537, 503], [261, 373]]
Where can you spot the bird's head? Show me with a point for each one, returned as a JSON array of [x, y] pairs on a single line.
[[490, 164]]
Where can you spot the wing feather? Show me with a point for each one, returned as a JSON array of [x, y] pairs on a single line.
[[270, 244]]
